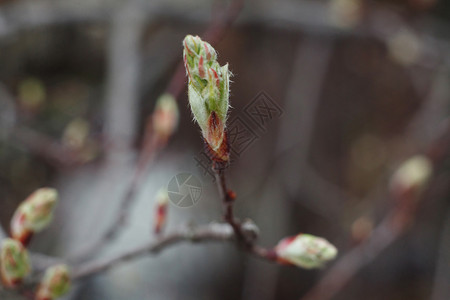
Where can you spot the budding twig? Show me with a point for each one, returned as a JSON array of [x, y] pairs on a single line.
[[204, 233], [152, 144]]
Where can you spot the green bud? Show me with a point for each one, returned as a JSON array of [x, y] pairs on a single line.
[[412, 175], [208, 89], [165, 116], [34, 214], [76, 134], [55, 283], [306, 251], [14, 262]]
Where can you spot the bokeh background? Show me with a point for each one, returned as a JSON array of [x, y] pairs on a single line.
[[361, 86]]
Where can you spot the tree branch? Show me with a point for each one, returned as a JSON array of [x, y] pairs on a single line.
[[204, 233]]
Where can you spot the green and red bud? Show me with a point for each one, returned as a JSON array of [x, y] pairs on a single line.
[[33, 214], [14, 262], [305, 250], [208, 91], [162, 201], [165, 116], [55, 283]]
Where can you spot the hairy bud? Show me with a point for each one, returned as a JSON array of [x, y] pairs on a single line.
[[208, 92], [33, 214], [305, 250], [14, 262], [54, 284]]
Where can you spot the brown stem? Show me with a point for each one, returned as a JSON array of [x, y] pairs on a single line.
[[228, 200], [228, 196], [205, 233]]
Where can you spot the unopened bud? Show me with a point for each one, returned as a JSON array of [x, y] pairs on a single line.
[[305, 250], [76, 134], [165, 117], [412, 175], [14, 262], [33, 214], [208, 92], [54, 284], [162, 201]]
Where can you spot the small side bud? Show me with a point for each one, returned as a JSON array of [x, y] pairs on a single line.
[[165, 116], [162, 201], [305, 250], [76, 134], [208, 91], [33, 214], [412, 176], [55, 283], [14, 263]]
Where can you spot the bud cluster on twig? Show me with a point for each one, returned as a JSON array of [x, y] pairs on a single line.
[[208, 91], [32, 216]]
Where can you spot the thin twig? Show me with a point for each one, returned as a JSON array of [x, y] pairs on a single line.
[[227, 200], [205, 233], [247, 242]]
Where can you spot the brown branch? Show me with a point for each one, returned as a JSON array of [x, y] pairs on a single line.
[[227, 196], [204, 233]]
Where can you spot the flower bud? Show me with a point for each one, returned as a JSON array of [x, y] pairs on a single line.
[[162, 200], [76, 134], [14, 262], [305, 250], [54, 284], [165, 117], [412, 175], [33, 214], [208, 92]]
